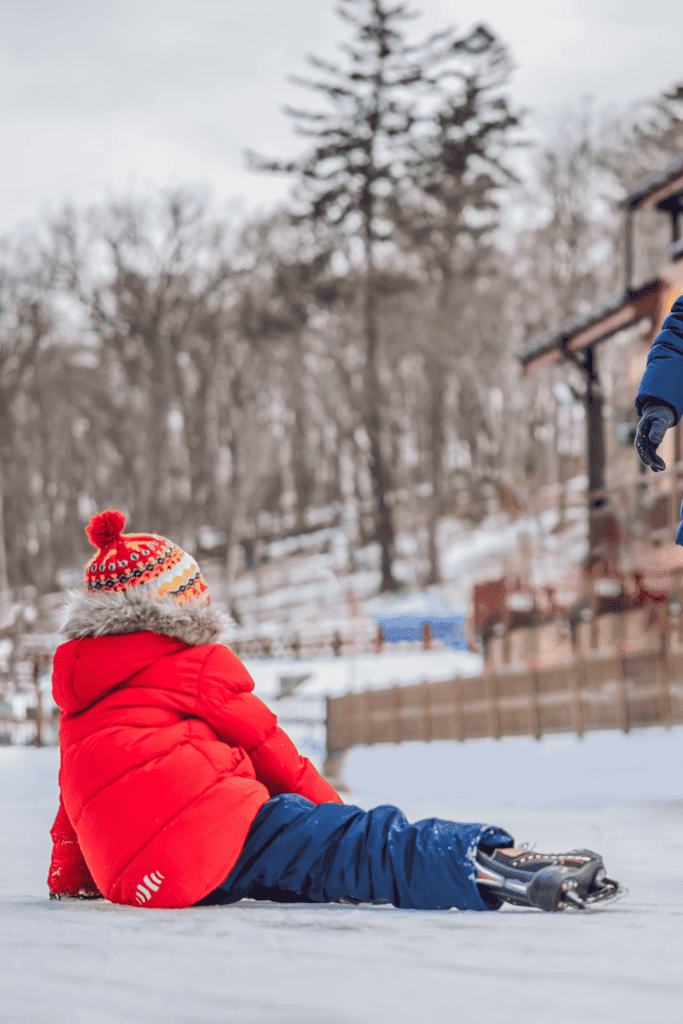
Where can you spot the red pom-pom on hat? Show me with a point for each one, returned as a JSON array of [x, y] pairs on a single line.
[[106, 527]]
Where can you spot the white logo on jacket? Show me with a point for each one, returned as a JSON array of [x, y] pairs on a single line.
[[152, 881]]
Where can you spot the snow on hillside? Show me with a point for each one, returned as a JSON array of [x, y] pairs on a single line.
[[308, 584]]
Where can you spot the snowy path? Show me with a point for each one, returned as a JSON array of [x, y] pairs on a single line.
[[94, 963]]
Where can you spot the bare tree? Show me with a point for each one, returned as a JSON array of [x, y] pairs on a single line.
[[26, 323], [457, 169], [147, 279]]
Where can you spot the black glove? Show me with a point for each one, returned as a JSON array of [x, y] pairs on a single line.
[[655, 422]]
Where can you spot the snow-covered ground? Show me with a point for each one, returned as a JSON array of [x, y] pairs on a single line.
[[95, 963]]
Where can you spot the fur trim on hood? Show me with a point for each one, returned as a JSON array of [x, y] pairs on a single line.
[[125, 611]]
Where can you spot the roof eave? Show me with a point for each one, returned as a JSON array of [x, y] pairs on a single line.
[[657, 188], [596, 327]]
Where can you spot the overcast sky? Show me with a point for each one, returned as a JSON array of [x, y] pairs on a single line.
[[99, 98]]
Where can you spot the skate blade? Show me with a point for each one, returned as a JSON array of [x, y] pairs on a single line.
[[599, 900]]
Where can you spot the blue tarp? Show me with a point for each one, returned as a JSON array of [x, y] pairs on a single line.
[[405, 620]]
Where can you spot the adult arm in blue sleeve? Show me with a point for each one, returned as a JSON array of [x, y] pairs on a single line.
[[662, 382]]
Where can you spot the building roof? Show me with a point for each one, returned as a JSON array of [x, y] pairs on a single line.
[[664, 190], [602, 323], [656, 189]]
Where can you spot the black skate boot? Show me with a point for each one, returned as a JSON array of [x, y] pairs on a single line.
[[548, 881], [76, 896]]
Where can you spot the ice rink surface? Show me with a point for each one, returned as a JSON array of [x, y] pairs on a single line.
[[95, 963]]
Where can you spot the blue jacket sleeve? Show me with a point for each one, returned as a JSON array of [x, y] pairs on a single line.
[[663, 378]]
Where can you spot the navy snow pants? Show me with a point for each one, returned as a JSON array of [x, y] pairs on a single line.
[[298, 852]]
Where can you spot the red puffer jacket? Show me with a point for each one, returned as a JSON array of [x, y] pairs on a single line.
[[167, 756]]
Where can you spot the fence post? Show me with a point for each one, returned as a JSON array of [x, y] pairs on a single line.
[[335, 755], [664, 674], [576, 673], [396, 716], [534, 716], [333, 769], [425, 712], [622, 695], [352, 736], [494, 708], [368, 719], [458, 710]]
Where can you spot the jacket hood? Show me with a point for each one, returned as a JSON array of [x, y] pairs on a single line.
[[125, 611], [115, 636]]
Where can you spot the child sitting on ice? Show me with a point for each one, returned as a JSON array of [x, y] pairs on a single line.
[[178, 787]]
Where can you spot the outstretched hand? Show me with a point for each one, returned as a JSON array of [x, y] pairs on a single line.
[[654, 423]]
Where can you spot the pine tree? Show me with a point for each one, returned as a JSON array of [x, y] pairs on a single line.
[[344, 181], [360, 168], [456, 168]]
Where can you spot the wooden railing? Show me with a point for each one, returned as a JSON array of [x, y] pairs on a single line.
[[364, 640], [619, 672]]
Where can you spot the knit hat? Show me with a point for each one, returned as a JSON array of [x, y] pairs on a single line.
[[142, 561]]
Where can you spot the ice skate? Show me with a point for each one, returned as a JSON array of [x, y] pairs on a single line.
[[547, 881], [76, 896]]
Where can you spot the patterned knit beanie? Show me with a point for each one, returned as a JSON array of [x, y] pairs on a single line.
[[149, 564]]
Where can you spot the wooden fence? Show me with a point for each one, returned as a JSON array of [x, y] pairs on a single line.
[[39, 726], [616, 672], [364, 640]]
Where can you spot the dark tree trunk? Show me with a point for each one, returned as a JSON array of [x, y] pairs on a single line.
[[437, 405], [379, 471], [4, 578], [303, 481], [436, 383], [162, 516]]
